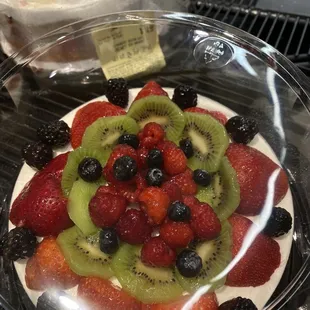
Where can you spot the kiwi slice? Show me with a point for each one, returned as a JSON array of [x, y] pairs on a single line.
[[223, 194], [79, 198], [161, 110], [215, 255], [83, 254], [148, 284], [70, 173], [209, 139], [103, 134]]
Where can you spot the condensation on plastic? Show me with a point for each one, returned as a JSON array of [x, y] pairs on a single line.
[[235, 69]]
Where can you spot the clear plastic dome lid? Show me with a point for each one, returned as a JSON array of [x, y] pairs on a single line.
[[219, 212]]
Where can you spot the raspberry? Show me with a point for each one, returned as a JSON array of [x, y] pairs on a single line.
[[156, 202], [152, 134], [106, 209], [215, 114], [142, 154], [165, 144], [205, 223], [185, 182], [173, 191], [175, 162], [119, 151], [176, 234], [155, 252], [133, 227]]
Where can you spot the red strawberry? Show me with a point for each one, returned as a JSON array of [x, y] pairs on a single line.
[[173, 191], [155, 252], [215, 114], [133, 227], [87, 115], [155, 202], [22, 205], [175, 162], [101, 294], [142, 157], [262, 258], [151, 89], [204, 222], [109, 189], [176, 234], [205, 302], [151, 135], [48, 268], [119, 151], [106, 209], [190, 201], [254, 170], [185, 182]]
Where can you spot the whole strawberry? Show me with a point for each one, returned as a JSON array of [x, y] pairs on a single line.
[[185, 182], [151, 89], [254, 170], [261, 259]]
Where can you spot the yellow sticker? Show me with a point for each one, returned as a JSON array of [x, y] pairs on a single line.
[[125, 50]]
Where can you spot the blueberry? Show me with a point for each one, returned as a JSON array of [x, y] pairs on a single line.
[[129, 139], [202, 177], [279, 223], [242, 129], [108, 240], [179, 212], [154, 158], [187, 147], [154, 177], [185, 97], [90, 169], [189, 263], [125, 168]]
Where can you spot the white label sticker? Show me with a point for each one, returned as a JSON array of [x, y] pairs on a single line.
[[125, 50]]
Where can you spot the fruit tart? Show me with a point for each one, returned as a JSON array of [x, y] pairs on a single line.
[[150, 198]]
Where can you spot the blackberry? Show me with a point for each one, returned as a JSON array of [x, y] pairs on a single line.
[[55, 133], [238, 303], [108, 240], [279, 223], [37, 154], [202, 177], [179, 212], [117, 92], [125, 168], [187, 147], [189, 263], [242, 129], [129, 139], [154, 177], [19, 243], [90, 169], [185, 97], [155, 158]]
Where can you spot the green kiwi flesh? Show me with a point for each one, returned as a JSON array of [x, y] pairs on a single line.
[[79, 198], [209, 139], [223, 194], [83, 254], [215, 255], [161, 110], [70, 173], [103, 134], [147, 284]]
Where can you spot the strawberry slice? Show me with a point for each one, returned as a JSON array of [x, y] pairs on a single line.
[[260, 260], [254, 170], [215, 114], [87, 115], [151, 89], [101, 294], [205, 302], [48, 268]]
